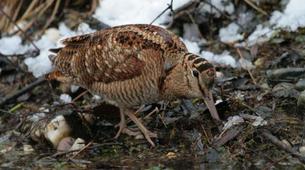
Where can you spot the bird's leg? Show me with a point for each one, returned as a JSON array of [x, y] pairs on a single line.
[[147, 134], [122, 125]]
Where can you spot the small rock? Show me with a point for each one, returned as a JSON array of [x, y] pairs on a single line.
[[78, 144], [264, 111], [287, 143], [171, 155], [65, 144], [288, 74], [300, 85], [6, 149], [28, 149], [235, 120], [259, 121], [302, 150], [260, 62], [301, 101], [284, 90]]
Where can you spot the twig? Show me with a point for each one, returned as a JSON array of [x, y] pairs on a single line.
[[17, 26], [256, 7], [91, 147], [267, 134], [227, 135], [22, 91], [80, 95], [249, 71], [82, 149], [222, 13], [55, 10], [5, 111], [186, 8], [170, 6]]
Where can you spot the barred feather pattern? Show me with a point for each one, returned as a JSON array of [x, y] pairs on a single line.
[[131, 65]]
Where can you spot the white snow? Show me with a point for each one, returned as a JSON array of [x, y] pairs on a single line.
[[246, 64], [224, 59], [191, 46], [291, 19], [65, 98], [119, 12], [74, 88], [96, 97], [12, 45], [230, 33], [225, 6], [41, 64], [260, 35], [293, 16]]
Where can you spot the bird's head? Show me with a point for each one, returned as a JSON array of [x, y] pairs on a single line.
[[200, 77]]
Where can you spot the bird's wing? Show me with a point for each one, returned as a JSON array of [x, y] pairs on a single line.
[[104, 56]]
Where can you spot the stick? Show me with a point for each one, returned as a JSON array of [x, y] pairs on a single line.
[[17, 26], [170, 6], [256, 7], [267, 134], [249, 71], [222, 13], [22, 91]]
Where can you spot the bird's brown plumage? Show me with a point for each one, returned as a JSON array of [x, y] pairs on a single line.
[[131, 65]]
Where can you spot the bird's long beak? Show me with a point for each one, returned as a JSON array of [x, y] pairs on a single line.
[[209, 101]]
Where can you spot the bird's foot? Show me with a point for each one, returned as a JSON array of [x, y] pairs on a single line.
[[147, 134], [133, 132]]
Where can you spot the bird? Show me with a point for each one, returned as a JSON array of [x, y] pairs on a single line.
[[133, 65]]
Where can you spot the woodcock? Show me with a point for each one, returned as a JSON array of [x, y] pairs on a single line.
[[132, 65]]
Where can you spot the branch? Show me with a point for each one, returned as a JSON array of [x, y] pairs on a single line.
[[22, 91], [267, 134], [17, 26], [170, 6]]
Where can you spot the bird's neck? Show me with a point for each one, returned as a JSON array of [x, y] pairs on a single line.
[[174, 84]]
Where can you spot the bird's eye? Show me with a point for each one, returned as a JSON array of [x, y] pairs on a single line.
[[195, 73]]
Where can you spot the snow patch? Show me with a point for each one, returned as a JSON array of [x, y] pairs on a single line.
[[12, 45], [260, 35], [191, 46], [225, 6], [120, 12], [41, 64], [292, 18], [223, 59], [65, 98], [230, 33], [74, 88]]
